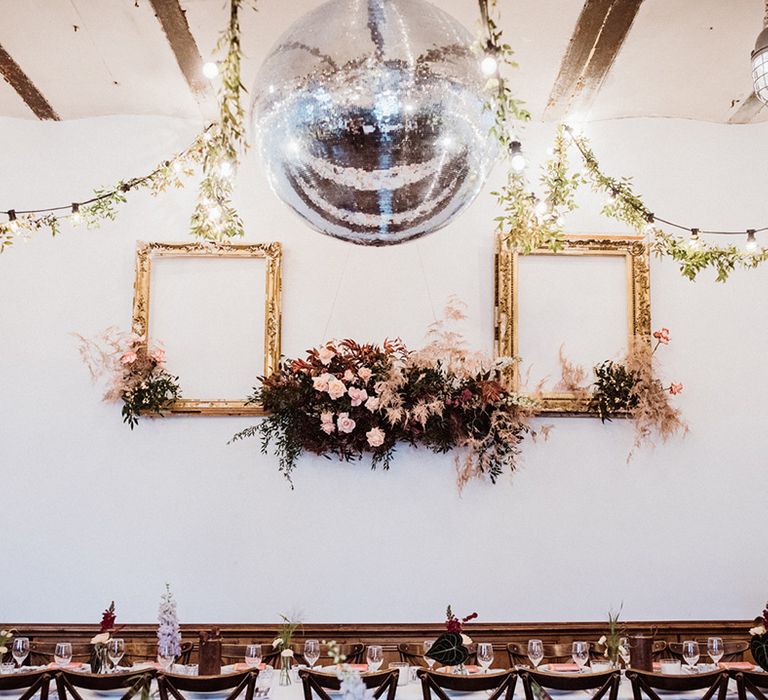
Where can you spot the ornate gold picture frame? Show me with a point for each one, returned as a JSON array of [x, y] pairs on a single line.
[[271, 253], [507, 298]]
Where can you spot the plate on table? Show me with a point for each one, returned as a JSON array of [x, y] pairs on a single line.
[[471, 671], [565, 669]]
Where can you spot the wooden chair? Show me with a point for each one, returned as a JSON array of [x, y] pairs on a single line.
[[753, 683], [41, 653], [134, 683], [354, 653], [502, 685], [602, 683], [646, 683], [175, 686], [414, 654], [553, 653], [235, 653], [597, 651], [136, 652], [320, 683], [734, 651], [30, 683]]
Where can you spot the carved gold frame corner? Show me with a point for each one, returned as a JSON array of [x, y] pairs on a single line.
[[506, 331], [273, 254]]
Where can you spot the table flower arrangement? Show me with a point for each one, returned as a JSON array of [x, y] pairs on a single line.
[[5, 639], [136, 371], [758, 644], [612, 640], [450, 648], [346, 399], [99, 657], [168, 631], [283, 643], [352, 686]]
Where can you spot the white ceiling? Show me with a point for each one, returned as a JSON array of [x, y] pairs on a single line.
[[682, 58]]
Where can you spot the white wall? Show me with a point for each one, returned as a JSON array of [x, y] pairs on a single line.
[[92, 511]]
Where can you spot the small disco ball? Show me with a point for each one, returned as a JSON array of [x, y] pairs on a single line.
[[372, 120]]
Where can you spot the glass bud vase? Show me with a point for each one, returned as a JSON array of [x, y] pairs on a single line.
[[285, 670]]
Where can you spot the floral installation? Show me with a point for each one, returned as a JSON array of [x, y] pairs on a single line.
[[450, 648], [283, 642], [612, 640], [5, 639], [352, 686], [758, 644], [346, 399], [99, 657], [136, 371], [168, 631], [631, 387]]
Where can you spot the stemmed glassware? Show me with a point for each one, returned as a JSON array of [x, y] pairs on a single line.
[[20, 649], [311, 652], [485, 655], [624, 650], [535, 651], [252, 655], [691, 653], [374, 657], [62, 653], [715, 649], [165, 655], [426, 645], [115, 651], [580, 654]]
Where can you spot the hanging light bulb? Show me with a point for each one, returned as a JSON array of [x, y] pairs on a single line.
[[226, 168], [518, 159], [694, 242], [210, 70], [751, 244], [76, 217], [489, 65], [541, 208], [12, 223], [650, 221], [214, 213], [177, 166]]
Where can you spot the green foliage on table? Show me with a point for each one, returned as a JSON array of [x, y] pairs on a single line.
[[448, 649]]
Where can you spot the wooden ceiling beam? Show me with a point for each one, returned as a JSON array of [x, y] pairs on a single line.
[[25, 88], [599, 34], [173, 20]]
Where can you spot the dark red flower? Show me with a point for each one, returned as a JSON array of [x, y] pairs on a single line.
[[765, 616], [466, 395], [108, 618]]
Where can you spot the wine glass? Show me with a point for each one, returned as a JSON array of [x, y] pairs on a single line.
[[115, 651], [20, 649], [311, 652], [426, 645], [691, 653], [624, 650], [62, 654], [580, 654], [535, 651], [165, 655], [252, 655], [485, 655], [715, 649], [374, 657]]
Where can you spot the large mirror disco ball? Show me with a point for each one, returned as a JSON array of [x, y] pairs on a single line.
[[370, 119]]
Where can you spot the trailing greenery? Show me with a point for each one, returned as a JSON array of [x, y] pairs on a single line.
[[153, 395], [613, 390]]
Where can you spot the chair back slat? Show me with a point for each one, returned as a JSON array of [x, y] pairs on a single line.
[[30, 683], [69, 683], [603, 683], [320, 683], [237, 683], [437, 682], [646, 683], [752, 683]]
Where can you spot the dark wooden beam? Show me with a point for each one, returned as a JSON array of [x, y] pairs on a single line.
[[26, 89], [599, 34], [174, 22], [747, 111]]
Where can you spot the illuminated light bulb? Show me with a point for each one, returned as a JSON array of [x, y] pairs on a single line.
[[694, 242], [210, 70], [207, 137], [518, 159], [226, 168], [13, 225], [541, 207], [214, 213], [649, 226], [177, 166], [489, 65], [751, 244], [76, 217]]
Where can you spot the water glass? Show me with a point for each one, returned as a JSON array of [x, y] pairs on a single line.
[[311, 652], [426, 646], [580, 654], [115, 651], [624, 650], [691, 653], [20, 649], [252, 655], [535, 651], [485, 655], [715, 649], [165, 656], [62, 654], [374, 657], [6, 667]]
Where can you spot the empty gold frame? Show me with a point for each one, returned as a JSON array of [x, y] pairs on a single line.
[[220, 302], [508, 298]]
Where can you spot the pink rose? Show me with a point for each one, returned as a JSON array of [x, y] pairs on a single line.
[[321, 383], [326, 355], [357, 395], [349, 375], [128, 358], [336, 389], [364, 373], [346, 424], [158, 355], [675, 388], [662, 336], [372, 403], [375, 437], [326, 422]]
